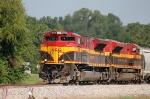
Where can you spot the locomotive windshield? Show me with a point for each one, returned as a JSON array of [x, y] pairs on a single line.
[[51, 38], [64, 38]]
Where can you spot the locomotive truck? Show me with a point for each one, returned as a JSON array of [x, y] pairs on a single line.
[[68, 57]]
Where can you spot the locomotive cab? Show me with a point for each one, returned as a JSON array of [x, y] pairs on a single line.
[[58, 51], [56, 44]]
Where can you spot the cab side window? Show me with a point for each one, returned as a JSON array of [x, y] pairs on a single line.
[[65, 38], [51, 38], [79, 41]]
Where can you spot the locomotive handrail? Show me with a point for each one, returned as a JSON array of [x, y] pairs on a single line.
[[108, 60], [41, 66], [69, 58], [43, 55], [71, 61]]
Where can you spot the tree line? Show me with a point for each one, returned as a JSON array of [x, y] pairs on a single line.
[[21, 35]]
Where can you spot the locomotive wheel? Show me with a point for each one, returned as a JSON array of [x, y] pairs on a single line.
[[126, 82], [71, 82], [139, 81], [135, 82], [148, 80], [108, 83], [74, 82], [132, 81], [99, 82], [115, 81], [94, 82], [118, 82]]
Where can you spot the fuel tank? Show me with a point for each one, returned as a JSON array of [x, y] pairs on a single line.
[[126, 76], [89, 76]]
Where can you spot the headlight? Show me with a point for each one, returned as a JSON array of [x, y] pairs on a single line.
[[62, 60], [45, 60]]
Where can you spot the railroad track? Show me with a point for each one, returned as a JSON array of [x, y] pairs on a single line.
[[62, 84]]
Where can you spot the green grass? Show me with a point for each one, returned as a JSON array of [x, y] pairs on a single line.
[[32, 79]]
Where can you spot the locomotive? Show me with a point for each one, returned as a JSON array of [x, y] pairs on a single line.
[[67, 57]]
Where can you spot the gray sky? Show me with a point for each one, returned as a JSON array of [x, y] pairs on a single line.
[[128, 11]]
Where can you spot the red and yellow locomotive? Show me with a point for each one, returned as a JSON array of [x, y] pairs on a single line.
[[67, 57]]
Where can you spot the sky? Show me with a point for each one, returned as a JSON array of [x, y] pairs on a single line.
[[129, 11]]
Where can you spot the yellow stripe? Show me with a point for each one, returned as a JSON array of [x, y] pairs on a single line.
[[127, 56], [54, 50]]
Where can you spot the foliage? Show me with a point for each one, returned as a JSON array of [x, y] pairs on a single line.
[[114, 27], [3, 72], [14, 43], [51, 23], [86, 22], [36, 32], [138, 34]]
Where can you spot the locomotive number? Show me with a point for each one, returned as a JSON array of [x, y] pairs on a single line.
[[56, 49], [91, 57]]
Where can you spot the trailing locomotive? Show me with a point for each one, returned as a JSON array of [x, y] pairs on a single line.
[[67, 57]]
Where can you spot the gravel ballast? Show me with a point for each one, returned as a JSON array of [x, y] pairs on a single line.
[[74, 92]]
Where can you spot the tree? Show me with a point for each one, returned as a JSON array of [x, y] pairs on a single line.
[[98, 22], [3, 72], [61, 21], [133, 31], [80, 21], [86, 22], [68, 23], [53, 24], [114, 27], [14, 40], [36, 31], [146, 35], [138, 34]]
